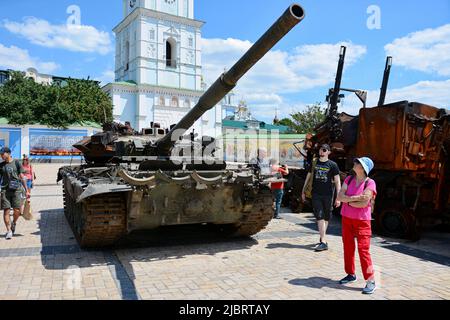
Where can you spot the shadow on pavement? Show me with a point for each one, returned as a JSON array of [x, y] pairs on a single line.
[[319, 283], [162, 244], [309, 247]]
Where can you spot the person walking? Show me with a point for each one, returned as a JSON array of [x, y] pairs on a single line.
[[29, 172], [13, 180], [357, 194], [278, 187], [325, 175]]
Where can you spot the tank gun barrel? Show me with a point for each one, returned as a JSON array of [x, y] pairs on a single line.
[[333, 97], [228, 80], [387, 72]]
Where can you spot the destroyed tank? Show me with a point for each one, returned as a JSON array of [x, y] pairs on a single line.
[[409, 143], [142, 181]]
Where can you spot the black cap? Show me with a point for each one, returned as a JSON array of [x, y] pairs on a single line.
[[325, 146], [5, 150]]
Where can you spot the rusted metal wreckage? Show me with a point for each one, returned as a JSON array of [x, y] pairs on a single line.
[[409, 143], [130, 181]]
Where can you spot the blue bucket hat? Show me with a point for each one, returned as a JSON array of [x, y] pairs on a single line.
[[366, 163]]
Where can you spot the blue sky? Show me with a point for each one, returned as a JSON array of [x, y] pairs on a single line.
[[297, 72]]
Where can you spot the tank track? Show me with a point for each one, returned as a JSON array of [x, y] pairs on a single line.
[[258, 218], [100, 221]]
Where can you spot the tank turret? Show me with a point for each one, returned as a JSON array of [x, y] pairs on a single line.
[[228, 80]]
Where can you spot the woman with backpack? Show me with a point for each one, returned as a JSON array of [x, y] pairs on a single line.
[[357, 194]]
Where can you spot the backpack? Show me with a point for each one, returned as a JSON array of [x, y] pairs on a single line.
[[308, 189], [372, 201]]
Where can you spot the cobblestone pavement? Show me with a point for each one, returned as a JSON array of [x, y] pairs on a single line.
[[43, 261]]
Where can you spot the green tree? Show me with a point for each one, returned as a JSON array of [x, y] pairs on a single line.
[[22, 101], [305, 121]]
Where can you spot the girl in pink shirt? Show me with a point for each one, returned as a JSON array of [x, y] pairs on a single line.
[[356, 195], [29, 173]]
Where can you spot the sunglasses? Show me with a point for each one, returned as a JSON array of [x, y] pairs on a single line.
[[324, 150]]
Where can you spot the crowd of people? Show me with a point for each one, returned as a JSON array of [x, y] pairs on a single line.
[[355, 194]]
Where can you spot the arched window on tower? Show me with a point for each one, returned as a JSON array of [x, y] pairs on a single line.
[[174, 102], [171, 56]]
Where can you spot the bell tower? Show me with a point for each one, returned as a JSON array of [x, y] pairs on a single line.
[[158, 65], [158, 43], [182, 8]]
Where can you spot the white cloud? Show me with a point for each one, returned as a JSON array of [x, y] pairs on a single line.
[[427, 50], [78, 38], [106, 77], [19, 59], [434, 93], [278, 73], [266, 112]]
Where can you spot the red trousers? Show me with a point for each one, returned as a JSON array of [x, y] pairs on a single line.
[[362, 231]]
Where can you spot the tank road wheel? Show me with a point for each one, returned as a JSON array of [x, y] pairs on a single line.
[[99, 222], [397, 222], [258, 218]]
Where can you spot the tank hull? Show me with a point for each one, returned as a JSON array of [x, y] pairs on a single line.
[[100, 214]]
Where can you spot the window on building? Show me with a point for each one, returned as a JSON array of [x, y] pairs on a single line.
[[127, 55], [162, 101], [171, 59], [152, 34], [174, 102], [3, 77], [187, 103], [191, 42]]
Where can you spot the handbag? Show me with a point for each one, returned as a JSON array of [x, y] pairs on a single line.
[[14, 185], [27, 213]]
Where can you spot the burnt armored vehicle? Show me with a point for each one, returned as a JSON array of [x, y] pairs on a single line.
[[410, 145], [141, 181]]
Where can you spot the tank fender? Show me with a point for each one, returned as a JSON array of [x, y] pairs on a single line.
[[137, 181], [101, 188]]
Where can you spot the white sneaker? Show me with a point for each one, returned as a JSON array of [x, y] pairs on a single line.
[[370, 287], [9, 235]]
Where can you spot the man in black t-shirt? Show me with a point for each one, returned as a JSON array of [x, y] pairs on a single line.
[[325, 178]]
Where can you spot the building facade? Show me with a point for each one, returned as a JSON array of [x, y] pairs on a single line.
[[41, 78], [158, 67]]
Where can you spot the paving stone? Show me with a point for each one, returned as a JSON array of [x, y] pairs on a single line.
[[278, 263]]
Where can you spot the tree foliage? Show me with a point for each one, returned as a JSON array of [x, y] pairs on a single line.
[[22, 101], [305, 121]]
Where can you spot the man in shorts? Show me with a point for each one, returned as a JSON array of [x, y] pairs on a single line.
[[12, 186], [325, 180]]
